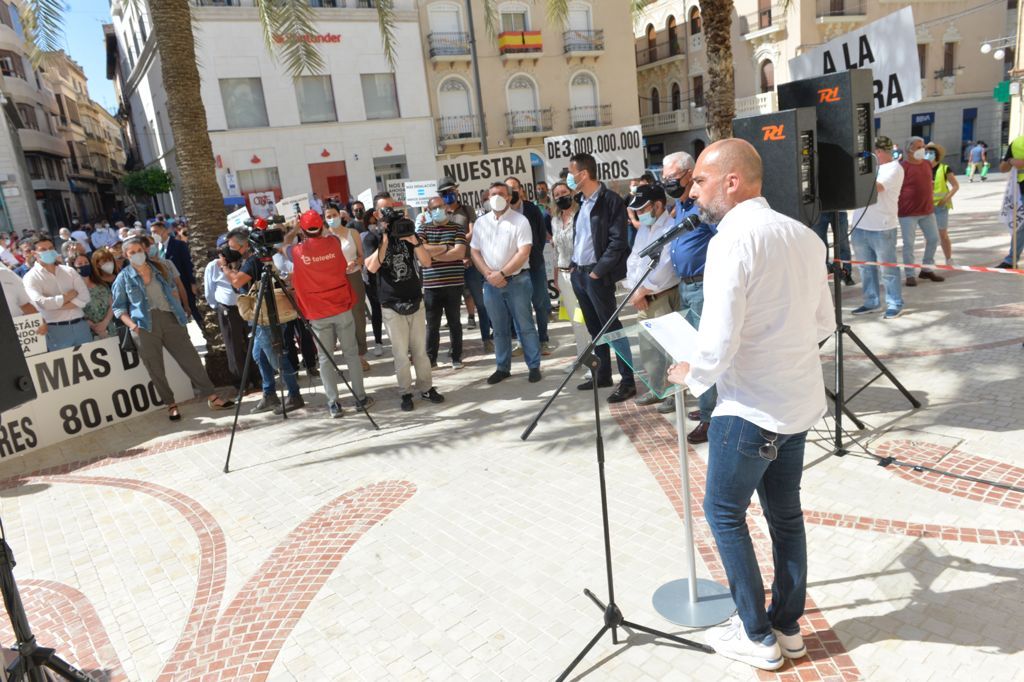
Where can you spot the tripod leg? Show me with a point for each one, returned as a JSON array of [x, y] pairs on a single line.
[[582, 654], [65, 669], [846, 410], [664, 635], [245, 374], [883, 369]]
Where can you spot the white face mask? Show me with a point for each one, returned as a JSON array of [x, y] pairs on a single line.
[[137, 258], [498, 203], [107, 268], [919, 154]]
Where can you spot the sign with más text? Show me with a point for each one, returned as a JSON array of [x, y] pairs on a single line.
[[81, 390], [619, 153]]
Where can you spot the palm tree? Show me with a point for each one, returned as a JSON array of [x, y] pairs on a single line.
[[716, 16]]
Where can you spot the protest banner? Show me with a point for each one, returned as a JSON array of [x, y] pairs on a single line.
[[396, 188], [27, 327], [418, 194], [881, 46], [294, 206], [619, 153], [236, 219], [262, 204], [474, 174]]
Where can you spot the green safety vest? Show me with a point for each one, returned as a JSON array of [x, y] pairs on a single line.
[[1017, 152], [940, 189]]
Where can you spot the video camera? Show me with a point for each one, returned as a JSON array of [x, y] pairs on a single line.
[[396, 224], [263, 238]]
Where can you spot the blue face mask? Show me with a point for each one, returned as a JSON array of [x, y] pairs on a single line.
[[570, 181], [449, 198], [438, 215], [154, 251], [48, 257], [647, 219]]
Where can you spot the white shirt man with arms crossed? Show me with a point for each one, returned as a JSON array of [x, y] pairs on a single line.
[[766, 306]]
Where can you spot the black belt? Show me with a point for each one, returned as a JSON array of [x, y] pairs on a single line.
[[692, 280], [66, 322], [651, 298], [584, 268]]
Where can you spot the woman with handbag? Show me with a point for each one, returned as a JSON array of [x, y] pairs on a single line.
[[149, 304]]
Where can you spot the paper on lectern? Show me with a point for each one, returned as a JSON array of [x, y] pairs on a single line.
[[674, 334]]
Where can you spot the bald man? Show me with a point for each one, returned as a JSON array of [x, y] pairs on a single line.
[[766, 306]]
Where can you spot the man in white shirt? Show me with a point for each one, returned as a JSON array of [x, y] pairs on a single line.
[[501, 246], [766, 306], [224, 300], [103, 236], [60, 294], [18, 301], [659, 293], [874, 237]]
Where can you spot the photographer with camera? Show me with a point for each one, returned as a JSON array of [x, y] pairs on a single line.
[[325, 296], [224, 300], [243, 277], [390, 262]]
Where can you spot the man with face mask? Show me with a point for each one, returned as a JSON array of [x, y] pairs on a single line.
[[917, 210], [443, 280], [473, 293], [325, 298], [358, 216], [767, 306], [538, 270], [689, 253], [501, 251], [60, 294]]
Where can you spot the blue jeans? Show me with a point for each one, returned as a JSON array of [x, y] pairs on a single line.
[[475, 283], [735, 471], [263, 353], [840, 234], [942, 217], [60, 336], [512, 302], [929, 228], [1008, 261], [691, 299], [878, 245]]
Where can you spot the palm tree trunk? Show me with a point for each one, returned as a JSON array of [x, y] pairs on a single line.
[[203, 204], [720, 97]]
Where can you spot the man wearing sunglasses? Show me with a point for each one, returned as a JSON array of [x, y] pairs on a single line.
[[766, 306]]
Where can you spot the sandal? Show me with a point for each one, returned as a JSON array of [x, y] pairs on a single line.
[[220, 404], [173, 414], [366, 365]]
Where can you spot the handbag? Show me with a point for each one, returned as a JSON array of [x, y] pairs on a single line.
[[126, 341], [285, 310]]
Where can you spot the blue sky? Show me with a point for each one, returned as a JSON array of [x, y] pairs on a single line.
[[83, 33]]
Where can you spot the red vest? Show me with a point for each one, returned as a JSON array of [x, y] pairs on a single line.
[[321, 285]]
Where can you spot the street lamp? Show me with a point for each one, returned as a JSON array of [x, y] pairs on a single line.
[[998, 46]]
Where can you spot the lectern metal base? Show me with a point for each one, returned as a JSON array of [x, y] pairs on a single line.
[[714, 603]]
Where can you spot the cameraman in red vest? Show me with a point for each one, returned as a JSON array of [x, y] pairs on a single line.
[[325, 298]]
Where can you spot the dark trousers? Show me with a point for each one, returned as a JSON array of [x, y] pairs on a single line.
[[596, 299], [193, 306], [376, 316], [306, 342], [446, 301], [235, 332]]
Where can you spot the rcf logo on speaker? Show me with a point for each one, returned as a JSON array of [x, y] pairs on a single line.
[[774, 133], [828, 95]]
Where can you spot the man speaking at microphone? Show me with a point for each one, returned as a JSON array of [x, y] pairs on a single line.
[[766, 306]]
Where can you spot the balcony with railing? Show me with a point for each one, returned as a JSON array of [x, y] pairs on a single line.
[[832, 11], [520, 45], [665, 122], [448, 46], [763, 23], [316, 4], [581, 118], [647, 54], [528, 122], [458, 129], [762, 103], [583, 43]]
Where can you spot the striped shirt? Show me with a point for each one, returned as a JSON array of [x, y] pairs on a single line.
[[443, 273]]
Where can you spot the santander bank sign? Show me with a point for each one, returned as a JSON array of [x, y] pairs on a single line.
[[307, 38]]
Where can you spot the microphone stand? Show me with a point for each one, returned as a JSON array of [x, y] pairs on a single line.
[[613, 618]]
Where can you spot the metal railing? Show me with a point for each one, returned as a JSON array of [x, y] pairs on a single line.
[[447, 44], [576, 40], [528, 121], [666, 121], [761, 19], [840, 8], [648, 54], [590, 117], [458, 127]]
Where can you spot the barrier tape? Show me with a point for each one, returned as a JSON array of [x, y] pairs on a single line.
[[965, 268]]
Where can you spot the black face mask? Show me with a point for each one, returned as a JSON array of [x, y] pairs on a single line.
[[674, 189], [563, 203], [84, 270], [515, 197], [358, 213]]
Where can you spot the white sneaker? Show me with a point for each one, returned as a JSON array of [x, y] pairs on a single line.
[[792, 646], [730, 640], [950, 262], [378, 350]]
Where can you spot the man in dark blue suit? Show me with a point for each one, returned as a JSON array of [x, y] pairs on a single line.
[[177, 252]]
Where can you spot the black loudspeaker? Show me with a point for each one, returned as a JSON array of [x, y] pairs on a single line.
[[844, 104], [16, 387], [786, 141]]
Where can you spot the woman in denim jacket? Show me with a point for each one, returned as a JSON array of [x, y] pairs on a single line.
[[147, 301]]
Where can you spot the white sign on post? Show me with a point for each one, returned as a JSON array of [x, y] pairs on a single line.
[[881, 46], [27, 326], [262, 204], [236, 219], [475, 174], [84, 389], [366, 197], [419, 194], [619, 153], [293, 206], [396, 188]]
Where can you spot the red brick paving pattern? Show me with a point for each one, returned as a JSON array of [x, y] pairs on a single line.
[[999, 311]]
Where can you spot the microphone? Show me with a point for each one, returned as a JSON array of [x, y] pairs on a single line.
[[688, 225]]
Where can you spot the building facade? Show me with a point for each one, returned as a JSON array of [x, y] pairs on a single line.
[[353, 127], [536, 79], [957, 78]]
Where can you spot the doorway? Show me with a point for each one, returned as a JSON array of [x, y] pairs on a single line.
[[329, 180]]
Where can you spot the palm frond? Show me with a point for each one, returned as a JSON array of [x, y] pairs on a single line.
[[386, 23], [558, 12], [491, 18], [286, 24], [43, 23]]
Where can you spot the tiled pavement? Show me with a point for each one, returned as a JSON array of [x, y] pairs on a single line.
[[445, 548]]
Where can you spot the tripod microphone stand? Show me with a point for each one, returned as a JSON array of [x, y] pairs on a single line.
[[613, 618], [32, 658], [838, 398], [265, 295]]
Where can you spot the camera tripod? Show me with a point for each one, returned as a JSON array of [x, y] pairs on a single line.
[[32, 658], [265, 295]]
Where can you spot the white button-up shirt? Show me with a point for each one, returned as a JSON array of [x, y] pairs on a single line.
[[498, 239], [14, 291], [216, 286], [766, 306], [664, 275], [47, 292], [104, 236]]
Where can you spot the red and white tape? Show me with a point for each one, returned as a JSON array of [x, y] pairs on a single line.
[[965, 268]]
